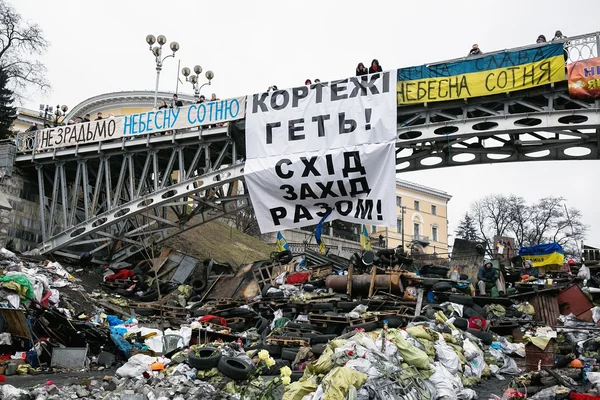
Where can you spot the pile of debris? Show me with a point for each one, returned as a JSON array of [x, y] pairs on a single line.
[[372, 327]]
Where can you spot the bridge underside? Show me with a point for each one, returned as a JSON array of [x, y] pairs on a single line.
[[119, 199], [533, 125]]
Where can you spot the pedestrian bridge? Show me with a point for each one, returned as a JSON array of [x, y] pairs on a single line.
[[115, 198]]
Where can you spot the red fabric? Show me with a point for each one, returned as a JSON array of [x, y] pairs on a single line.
[[208, 318], [45, 302], [122, 274], [477, 322], [582, 396], [298, 277]]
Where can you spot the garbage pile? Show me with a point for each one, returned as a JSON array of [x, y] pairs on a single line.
[[295, 327]]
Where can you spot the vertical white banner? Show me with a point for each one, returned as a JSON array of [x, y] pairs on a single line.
[[327, 146]]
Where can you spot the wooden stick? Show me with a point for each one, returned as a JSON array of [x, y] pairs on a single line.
[[211, 287]]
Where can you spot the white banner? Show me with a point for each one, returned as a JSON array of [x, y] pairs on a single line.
[[327, 146], [145, 123]]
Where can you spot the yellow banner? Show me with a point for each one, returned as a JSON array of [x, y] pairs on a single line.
[[546, 259], [482, 83]]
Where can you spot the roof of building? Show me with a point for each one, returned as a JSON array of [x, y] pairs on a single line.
[[423, 189]]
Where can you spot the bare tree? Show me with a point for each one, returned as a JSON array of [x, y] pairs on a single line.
[[545, 221], [20, 43], [245, 221]]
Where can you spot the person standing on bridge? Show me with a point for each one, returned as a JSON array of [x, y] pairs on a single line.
[[98, 116], [475, 50], [541, 39], [375, 67], [361, 69]]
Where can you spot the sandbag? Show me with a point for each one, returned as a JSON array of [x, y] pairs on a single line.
[[411, 355], [337, 383], [297, 390], [447, 357]]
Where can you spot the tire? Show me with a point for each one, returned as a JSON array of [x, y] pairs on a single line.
[[289, 354], [209, 358], [308, 287], [485, 337], [199, 313], [461, 323], [284, 257], [198, 285], [319, 338], [464, 277], [318, 349], [235, 368], [273, 349], [296, 375], [468, 312], [149, 296], [430, 313], [237, 326], [420, 318], [429, 283], [396, 322], [479, 310], [274, 370], [347, 306], [368, 327], [265, 289], [464, 300], [145, 312], [262, 324], [241, 312], [297, 325], [322, 306], [442, 287]]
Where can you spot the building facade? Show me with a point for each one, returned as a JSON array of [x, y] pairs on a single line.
[[422, 218]]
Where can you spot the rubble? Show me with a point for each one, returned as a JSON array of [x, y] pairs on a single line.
[[376, 327]]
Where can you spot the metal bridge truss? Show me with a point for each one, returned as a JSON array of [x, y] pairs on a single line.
[[116, 199], [533, 125]]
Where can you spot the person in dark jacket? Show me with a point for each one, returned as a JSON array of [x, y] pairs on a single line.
[[488, 277], [528, 270], [375, 67], [361, 69], [475, 50]]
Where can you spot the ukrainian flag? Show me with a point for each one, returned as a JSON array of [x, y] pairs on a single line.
[[281, 244], [365, 240], [544, 255], [484, 75], [319, 231]]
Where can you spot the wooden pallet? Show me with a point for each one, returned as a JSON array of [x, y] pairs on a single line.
[[298, 330], [329, 319], [288, 341]]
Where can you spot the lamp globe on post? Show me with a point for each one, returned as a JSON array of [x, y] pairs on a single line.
[[156, 50]]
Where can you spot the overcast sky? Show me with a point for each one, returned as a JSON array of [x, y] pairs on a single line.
[[99, 47]]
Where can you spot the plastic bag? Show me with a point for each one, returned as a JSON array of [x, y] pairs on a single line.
[[549, 393], [594, 378], [510, 366], [470, 350], [446, 383], [526, 308], [447, 357], [358, 310], [135, 366], [584, 272]]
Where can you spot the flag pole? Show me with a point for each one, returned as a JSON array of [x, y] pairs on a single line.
[[177, 81]]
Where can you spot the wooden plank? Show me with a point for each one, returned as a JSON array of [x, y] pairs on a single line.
[[349, 284], [17, 324], [419, 302], [373, 274]]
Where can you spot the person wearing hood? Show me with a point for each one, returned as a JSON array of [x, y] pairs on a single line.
[[488, 277], [528, 271]]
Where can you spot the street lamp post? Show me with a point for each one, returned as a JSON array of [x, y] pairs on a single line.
[[59, 112], [193, 78], [157, 52]]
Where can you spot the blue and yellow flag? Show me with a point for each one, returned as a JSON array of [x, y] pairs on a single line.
[[319, 231], [542, 255], [281, 244], [365, 240], [495, 73]]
